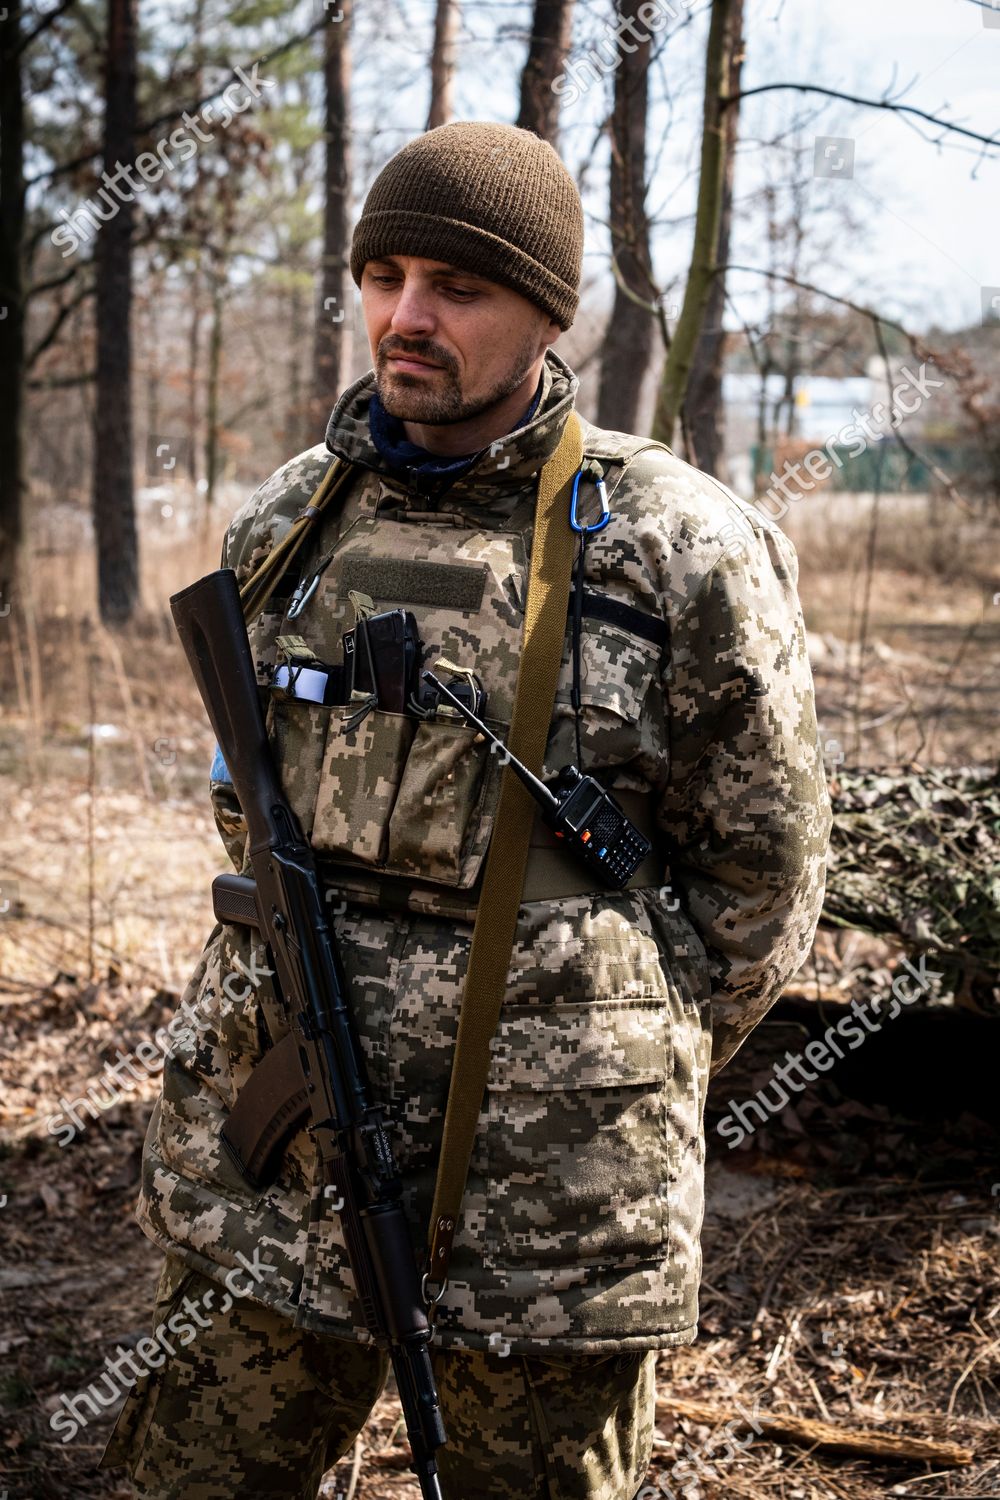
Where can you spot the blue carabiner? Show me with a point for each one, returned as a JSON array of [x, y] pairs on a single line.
[[302, 596], [605, 507]]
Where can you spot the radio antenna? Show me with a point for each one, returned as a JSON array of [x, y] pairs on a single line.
[[537, 788]]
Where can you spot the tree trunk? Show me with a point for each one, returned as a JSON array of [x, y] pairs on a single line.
[[114, 501], [443, 64], [332, 348], [297, 422], [551, 29], [763, 429], [193, 362], [764, 360], [628, 342], [703, 409], [216, 278], [153, 362], [708, 215], [12, 372], [196, 198], [793, 338]]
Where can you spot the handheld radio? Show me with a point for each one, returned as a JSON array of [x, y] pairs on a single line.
[[577, 809]]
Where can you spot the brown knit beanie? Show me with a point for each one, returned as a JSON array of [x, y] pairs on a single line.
[[489, 198]]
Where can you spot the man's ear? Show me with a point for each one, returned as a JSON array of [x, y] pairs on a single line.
[[550, 332]]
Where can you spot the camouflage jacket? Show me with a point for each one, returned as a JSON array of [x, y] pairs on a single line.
[[581, 1222]]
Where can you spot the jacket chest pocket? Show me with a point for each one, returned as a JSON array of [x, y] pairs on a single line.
[[397, 793], [621, 713], [578, 1167]]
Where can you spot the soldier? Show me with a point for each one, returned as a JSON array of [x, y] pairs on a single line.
[[577, 1254]]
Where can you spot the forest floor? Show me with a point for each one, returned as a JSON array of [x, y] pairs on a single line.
[[851, 1247]]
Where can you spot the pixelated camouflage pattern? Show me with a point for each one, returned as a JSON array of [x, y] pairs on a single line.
[[247, 1406], [229, 820], [255, 1406], [580, 1229], [576, 1428]]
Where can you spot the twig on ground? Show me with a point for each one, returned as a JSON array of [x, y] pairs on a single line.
[[823, 1434]]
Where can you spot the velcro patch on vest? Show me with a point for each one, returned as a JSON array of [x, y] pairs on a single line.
[[410, 581]]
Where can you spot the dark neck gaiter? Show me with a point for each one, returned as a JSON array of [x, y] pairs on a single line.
[[390, 439]]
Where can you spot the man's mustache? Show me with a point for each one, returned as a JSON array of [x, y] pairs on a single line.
[[430, 354]]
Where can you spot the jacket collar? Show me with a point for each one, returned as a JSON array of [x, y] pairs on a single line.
[[507, 460]]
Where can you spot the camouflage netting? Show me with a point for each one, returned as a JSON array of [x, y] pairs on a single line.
[[915, 856]]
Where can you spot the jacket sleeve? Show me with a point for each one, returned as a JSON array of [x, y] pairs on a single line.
[[745, 808], [229, 820]]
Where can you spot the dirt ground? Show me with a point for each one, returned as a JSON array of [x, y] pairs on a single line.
[[850, 1277], [851, 1247]]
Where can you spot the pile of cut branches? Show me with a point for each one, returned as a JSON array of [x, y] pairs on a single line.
[[915, 856]]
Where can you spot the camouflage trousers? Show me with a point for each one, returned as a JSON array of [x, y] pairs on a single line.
[[256, 1407]]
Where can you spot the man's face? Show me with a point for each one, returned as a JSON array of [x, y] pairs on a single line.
[[481, 339]]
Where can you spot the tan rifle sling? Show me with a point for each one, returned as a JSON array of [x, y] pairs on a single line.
[[255, 593], [552, 551], [550, 570]]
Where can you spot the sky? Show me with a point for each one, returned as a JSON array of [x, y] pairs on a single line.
[[931, 233], [924, 233]]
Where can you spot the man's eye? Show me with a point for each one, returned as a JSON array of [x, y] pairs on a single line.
[[459, 291]]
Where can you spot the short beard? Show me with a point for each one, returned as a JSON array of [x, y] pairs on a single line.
[[441, 408]]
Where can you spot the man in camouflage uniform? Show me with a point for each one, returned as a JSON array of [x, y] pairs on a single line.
[[577, 1254]]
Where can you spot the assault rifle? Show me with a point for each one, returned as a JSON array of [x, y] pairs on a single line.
[[285, 903]]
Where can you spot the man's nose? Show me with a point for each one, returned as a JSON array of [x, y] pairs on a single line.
[[413, 313]]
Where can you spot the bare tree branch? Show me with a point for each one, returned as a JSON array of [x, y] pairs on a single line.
[[878, 321], [60, 382], [170, 115], [886, 104], [808, 286], [53, 284], [939, 474], [49, 337], [43, 25]]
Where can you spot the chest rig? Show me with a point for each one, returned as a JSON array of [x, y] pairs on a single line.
[[400, 810]]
